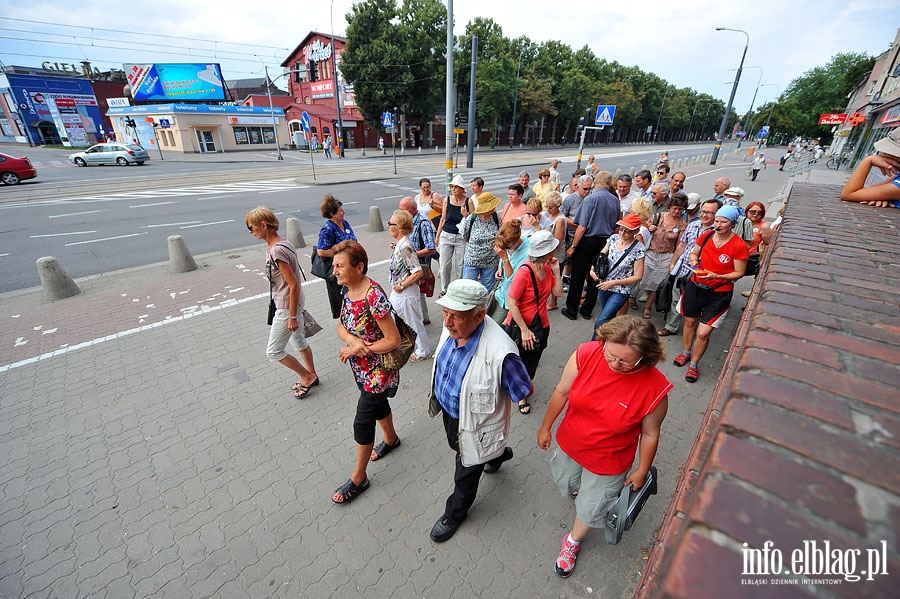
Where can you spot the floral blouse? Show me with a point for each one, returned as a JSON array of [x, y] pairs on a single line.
[[404, 261], [480, 245], [360, 319], [625, 268]]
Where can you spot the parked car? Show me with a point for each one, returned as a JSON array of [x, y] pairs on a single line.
[[13, 170], [110, 153]]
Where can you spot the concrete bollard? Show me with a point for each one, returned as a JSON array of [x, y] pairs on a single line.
[[294, 234], [644, 168], [56, 282], [631, 172], [376, 225], [420, 151], [437, 149], [618, 173], [180, 259]]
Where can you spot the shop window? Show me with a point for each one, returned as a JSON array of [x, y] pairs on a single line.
[[163, 139], [240, 136], [171, 138]]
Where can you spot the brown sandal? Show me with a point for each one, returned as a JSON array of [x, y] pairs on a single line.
[[665, 332]]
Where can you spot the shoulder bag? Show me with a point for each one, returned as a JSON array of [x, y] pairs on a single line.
[[398, 357], [601, 262], [536, 326], [426, 283]]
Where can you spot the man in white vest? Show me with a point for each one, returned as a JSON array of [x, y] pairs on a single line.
[[476, 378]]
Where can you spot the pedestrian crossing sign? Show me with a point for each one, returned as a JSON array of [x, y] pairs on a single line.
[[605, 114], [387, 119]]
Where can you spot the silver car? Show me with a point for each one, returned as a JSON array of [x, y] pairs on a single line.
[[110, 153]]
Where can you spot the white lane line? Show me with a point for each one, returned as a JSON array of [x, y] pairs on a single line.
[[189, 222], [62, 234], [106, 239], [148, 205], [4, 255], [384, 198], [147, 327], [75, 213], [275, 191], [348, 203], [220, 222]]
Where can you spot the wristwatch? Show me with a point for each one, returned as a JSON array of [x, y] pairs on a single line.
[[292, 317]]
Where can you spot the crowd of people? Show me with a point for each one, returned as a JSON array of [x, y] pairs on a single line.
[[503, 267]]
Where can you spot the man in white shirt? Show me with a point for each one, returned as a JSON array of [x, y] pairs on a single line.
[[625, 193]]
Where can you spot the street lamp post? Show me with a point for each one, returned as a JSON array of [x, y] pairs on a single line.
[[337, 95], [691, 124], [512, 127], [748, 120], [737, 79], [272, 110], [659, 120]]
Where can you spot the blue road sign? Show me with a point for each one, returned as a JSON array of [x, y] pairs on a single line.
[[605, 114], [387, 119], [164, 123], [764, 131], [304, 121]]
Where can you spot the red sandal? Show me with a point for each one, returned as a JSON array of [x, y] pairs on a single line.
[[692, 374], [681, 360]]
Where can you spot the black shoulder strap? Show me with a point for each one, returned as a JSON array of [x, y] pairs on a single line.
[[622, 257], [537, 297]]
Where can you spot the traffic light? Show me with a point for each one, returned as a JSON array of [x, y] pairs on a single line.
[[313, 71], [584, 121], [130, 122], [456, 119]]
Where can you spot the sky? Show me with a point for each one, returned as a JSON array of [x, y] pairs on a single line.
[[676, 40]]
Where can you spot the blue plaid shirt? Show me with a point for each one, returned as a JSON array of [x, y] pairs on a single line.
[[453, 363], [422, 236]]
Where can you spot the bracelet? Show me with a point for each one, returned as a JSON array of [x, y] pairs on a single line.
[[292, 317]]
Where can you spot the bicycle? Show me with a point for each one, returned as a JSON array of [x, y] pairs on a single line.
[[836, 163]]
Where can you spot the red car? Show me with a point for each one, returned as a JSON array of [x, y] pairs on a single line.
[[13, 170]]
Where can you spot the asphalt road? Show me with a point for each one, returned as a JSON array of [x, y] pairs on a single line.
[[121, 217]]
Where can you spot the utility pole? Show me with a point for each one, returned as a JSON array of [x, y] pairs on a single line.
[[470, 150], [450, 102]]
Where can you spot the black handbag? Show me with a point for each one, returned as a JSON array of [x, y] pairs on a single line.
[[625, 510], [322, 267], [752, 266], [536, 326], [601, 262]]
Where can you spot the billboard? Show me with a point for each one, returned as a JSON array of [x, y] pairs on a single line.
[[176, 82]]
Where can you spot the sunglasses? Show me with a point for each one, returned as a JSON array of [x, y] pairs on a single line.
[[392, 224], [587, 188], [250, 228], [534, 214], [754, 212], [660, 172]]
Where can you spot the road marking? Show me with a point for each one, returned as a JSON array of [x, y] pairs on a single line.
[[385, 198], [148, 205], [106, 239], [75, 213], [189, 222], [220, 222], [214, 197], [62, 234], [348, 203], [4, 255]]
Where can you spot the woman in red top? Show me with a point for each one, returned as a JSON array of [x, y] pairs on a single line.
[[521, 299], [719, 258], [615, 400]]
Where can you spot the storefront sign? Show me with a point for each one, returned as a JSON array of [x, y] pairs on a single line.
[[833, 119], [250, 120], [891, 116], [322, 89], [117, 102], [70, 68], [316, 51]]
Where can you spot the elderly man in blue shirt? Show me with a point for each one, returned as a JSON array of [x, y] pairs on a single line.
[[476, 378]]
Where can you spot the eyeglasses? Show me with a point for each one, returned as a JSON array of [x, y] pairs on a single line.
[[707, 212], [456, 317], [542, 176], [392, 224], [250, 228], [586, 188], [611, 359], [754, 212], [534, 214], [660, 172]]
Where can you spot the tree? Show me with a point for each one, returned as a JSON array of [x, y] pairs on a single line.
[[823, 90], [394, 57]]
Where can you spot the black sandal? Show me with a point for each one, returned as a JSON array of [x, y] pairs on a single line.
[[349, 490], [296, 386], [525, 408], [382, 449]]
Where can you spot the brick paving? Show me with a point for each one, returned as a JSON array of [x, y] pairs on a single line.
[[153, 451], [800, 443]]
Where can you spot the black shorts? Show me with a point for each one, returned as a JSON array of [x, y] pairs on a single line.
[[707, 305]]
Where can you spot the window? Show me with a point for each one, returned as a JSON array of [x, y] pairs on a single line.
[[254, 135], [171, 138]]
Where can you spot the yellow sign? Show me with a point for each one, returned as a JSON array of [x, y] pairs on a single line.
[[459, 131]]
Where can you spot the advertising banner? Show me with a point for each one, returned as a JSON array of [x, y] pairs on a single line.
[[177, 82], [833, 119]]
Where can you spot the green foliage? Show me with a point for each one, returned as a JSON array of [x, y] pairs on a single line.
[[394, 56]]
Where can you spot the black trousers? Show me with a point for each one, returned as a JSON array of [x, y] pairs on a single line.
[[582, 258], [465, 478], [335, 297]]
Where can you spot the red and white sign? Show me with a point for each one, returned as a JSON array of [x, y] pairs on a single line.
[[856, 119], [833, 119]]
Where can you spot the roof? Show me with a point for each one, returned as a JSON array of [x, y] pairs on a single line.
[[305, 40]]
